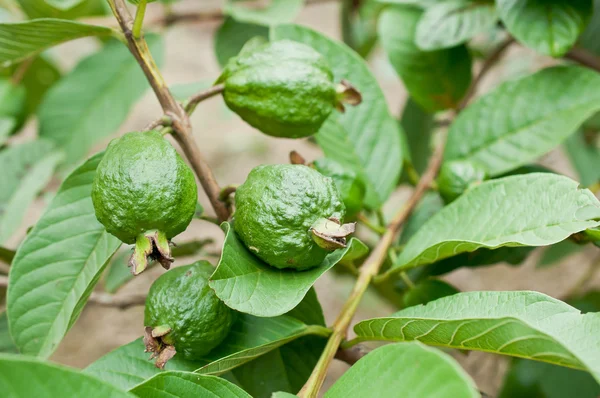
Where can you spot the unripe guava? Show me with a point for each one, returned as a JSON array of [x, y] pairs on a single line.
[[456, 176]]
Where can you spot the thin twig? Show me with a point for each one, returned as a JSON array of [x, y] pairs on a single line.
[[203, 95], [121, 302], [182, 128], [583, 57]]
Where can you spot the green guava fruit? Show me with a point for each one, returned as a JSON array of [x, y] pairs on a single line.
[[290, 216], [351, 187], [456, 176], [283, 88], [13, 105], [184, 315], [144, 193]]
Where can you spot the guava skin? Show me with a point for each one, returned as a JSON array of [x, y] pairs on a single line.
[[182, 300], [284, 88], [142, 184], [13, 102], [351, 187], [275, 209]]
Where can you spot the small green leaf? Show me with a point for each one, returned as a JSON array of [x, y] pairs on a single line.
[[57, 266], [428, 290], [417, 370], [187, 384], [536, 209], [454, 22], [248, 285], [436, 80], [584, 156], [550, 27], [39, 34], [523, 324], [496, 134], [277, 12], [365, 138], [231, 37], [6, 343], [27, 377], [106, 85]]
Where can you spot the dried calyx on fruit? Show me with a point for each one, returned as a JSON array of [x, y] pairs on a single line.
[[183, 315], [290, 216], [144, 194], [284, 88]]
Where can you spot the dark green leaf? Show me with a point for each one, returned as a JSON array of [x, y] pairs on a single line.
[[523, 324], [584, 156], [366, 137], [41, 74], [427, 208], [436, 80], [232, 35], [418, 126], [428, 290], [496, 134], [589, 38], [187, 385], [106, 86], [248, 285], [6, 343], [558, 252], [276, 12], [550, 27], [24, 39], [57, 266], [6, 255], [417, 370]]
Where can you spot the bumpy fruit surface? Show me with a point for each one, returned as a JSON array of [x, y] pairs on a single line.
[[144, 193], [12, 104], [351, 187], [186, 313], [456, 176], [283, 88], [282, 211]]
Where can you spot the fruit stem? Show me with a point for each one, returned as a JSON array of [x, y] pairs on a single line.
[[139, 19]]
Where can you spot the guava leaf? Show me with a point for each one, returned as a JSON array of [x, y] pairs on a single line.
[[584, 156], [454, 22], [187, 384], [57, 266], [42, 9], [64, 4], [385, 371], [24, 39], [276, 12], [365, 138], [522, 324], [247, 284], [6, 343], [28, 377], [536, 209], [106, 85], [495, 133], [436, 80], [419, 126], [550, 27], [231, 37], [426, 291]]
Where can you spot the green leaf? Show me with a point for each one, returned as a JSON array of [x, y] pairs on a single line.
[[558, 252], [523, 324], [541, 380], [418, 125], [231, 37], [436, 80], [64, 5], [106, 85], [277, 12], [454, 22], [42, 9], [41, 74], [428, 290], [413, 368], [430, 204], [550, 27], [39, 34], [187, 384], [584, 156], [6, 343], [589, 38], [57, 266], [536, 209], [7, 255], [366, 138], [248, 285], [496, 134], [28, 377]]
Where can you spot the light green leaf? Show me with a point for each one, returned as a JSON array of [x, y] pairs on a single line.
[[536, 209], [27, 377], [522, 324], [42, 9], [282, 394], [436, 80], [410, 368], [24, 39], [6, 343], [584, 156], [57, 266], [550, 27], [277, 12], [187, 385], [366, 138], [231, 37], [106, 86], [248, 285], [496, 134], [7, 126], [454, 22], [64, 4]]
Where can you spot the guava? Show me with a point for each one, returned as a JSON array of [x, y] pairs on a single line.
[[351, 187], [144, 193], [456, 176], [283, 88], [184, 315], [13, 106], [290, 216]]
